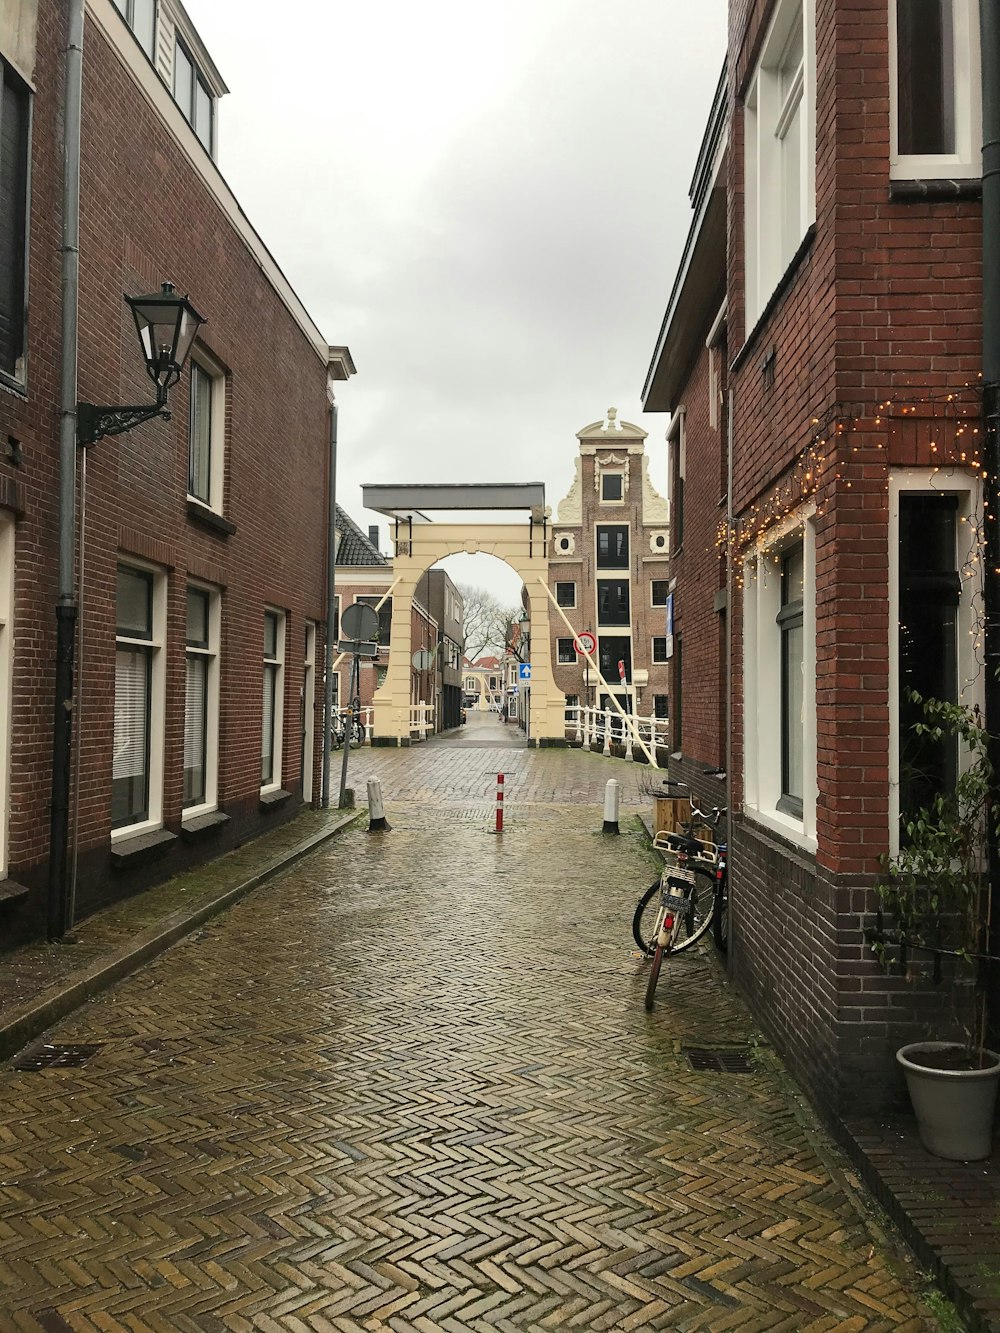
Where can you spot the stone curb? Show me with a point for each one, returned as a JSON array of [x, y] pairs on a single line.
[[30, 1020]]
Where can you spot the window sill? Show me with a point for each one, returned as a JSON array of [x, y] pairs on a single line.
[[12, 892], [208, 518], [12, 385], [195, 827], [129, 852], [904, 191], [274, 797], [792, 830]]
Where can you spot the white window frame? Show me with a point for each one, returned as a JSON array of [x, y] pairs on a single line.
[[654, 604], [676, 438], [127, 10], [659, 661], [713, 343], [769, 240], [310, 640], [198, 81], [216, 433], [8, 531], [967, 160], [157, 700], [278, 718], [969, 490], [211, 655], [762, 682]]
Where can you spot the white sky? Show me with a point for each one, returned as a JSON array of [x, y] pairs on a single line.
[[486, 202]]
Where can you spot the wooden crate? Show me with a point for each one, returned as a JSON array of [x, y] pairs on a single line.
[[670, 814]]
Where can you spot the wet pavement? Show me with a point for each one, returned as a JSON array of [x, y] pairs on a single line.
[[409, 1084]]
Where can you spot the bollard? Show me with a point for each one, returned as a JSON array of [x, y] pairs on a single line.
[[499, 803], [611, 794], [377, 822]]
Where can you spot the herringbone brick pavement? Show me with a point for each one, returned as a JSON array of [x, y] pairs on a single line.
[[410, 1085]]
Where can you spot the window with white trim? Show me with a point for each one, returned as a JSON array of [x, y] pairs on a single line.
[[565, 652], [192, 95], [137, 763], [566, 594], [935, 89], [272, 719], [612, 487], [612, 546], [779, 682], [15, 121], [780, 150], [140, 15], [206, 432], [676, 469], [201, 700], [935, 646]]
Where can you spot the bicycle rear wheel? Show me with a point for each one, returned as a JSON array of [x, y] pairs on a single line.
[[693, 923]]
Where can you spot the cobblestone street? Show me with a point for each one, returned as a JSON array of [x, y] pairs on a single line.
[[410, 1085]]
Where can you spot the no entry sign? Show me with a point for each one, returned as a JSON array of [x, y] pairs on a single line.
[[585, 643]]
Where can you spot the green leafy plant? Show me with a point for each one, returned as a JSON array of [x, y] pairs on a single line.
[[937, 886]]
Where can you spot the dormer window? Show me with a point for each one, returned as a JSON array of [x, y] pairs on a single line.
[[140, 15], [192, 95]]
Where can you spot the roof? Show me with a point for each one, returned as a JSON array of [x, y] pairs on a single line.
[[354, 547]]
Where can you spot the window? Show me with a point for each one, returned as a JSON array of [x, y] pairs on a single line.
[[192, 95], [565, 652], [789, 620], [206, 433], [779, 629], [936, 127], [14, 121], [612, 649], [677, 466], [716, 344], [933, 602], [661, 706], [137, 764], [780, 149], [201, 700], [566, 594], [612, 547], [660, 649], [678, 713], [273, 714], [7, 537], [660, 591], [572, 707], [612, 487], [612, 602], [140, 15], [384, 633]]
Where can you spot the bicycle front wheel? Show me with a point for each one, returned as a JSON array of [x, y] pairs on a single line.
[[357, 735], [654, 976]]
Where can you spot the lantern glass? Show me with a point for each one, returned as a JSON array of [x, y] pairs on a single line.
[[167, 325]]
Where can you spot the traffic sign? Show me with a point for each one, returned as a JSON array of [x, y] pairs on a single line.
[[363, 648], [359, 621], [585, 643], [524, 671], [621, 669]]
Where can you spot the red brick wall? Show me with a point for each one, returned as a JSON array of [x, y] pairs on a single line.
[[146, 216]]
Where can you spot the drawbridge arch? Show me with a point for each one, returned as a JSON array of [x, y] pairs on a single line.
[[420, 544]]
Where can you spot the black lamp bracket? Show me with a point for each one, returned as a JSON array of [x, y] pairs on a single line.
[[94, 422]]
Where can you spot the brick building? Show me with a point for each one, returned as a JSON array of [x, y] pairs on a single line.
[[609, 573], [834, 262], [201, 539]]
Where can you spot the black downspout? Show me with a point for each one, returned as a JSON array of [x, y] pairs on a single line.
[[989, 18], [62, 750]]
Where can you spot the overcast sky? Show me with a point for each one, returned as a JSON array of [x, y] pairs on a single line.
[[486, 202]]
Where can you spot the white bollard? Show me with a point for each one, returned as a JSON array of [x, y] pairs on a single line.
[[612, 792], [377, 822]]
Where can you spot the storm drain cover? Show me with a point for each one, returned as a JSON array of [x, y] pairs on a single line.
[[718, 1060], [55, 1057]]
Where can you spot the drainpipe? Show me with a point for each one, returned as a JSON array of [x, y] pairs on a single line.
[[58, 914], [989, 17], [331, 608]]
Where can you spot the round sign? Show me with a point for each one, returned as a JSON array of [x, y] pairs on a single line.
[[359, 621], [585, 643], [422, 659]]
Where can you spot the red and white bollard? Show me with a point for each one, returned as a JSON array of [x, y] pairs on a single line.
[[499, 803]]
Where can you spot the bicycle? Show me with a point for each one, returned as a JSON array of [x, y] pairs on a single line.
[[678, 908], [339, 730]]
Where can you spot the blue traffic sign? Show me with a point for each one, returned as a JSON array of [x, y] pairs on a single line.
[[524, 671]]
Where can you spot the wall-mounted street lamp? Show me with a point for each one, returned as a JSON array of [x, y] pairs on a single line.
[[167, 325]]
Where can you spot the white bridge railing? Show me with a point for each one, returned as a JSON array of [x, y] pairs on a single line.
[[600, 727], [422, 719]]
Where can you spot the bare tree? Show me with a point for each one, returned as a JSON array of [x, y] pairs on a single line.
[[487, 622]]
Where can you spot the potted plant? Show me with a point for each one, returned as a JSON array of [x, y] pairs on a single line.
[[937, 891]]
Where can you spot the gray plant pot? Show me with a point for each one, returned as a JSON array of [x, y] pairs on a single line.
[[954, 1107]]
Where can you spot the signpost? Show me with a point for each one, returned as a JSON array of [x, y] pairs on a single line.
[[358, 623]]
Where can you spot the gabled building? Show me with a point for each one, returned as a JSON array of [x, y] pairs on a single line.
[[610, 574], [196, 573], [843, 157]]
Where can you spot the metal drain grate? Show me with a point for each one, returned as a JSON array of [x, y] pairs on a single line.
[[729, 1060], [55, 1057]]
